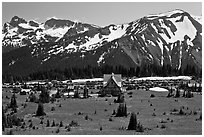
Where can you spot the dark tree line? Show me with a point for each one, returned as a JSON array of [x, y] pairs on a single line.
[[90, 72]]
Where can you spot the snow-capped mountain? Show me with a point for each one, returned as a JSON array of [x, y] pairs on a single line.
[[173, 38]]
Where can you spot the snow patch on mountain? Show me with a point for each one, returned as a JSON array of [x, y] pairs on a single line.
[[45, 59], [101, 58], [116, 32], [166, 14], [12, 62], [56, 32], [26, 26], [89, 42], [182, 28]]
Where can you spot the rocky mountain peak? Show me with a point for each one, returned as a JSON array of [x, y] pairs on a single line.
[[17, 20]]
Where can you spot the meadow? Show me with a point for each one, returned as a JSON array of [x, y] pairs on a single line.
[[159, 115]]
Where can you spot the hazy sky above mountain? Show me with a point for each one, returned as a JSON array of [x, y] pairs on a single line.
[[97, 13]]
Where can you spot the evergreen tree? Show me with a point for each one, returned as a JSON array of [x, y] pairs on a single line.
[[122, 110], [133, 122], [177, 93], [4, 120], [184, 93], [170, 94], [195, 88], [32, 97], [85, 94], [134, 125], [57, 95], [44, 96], [120, 98], [61, 124], [48, 123], [189, 94], [53, 123], [40, 110], [13, 103], [76, 93]]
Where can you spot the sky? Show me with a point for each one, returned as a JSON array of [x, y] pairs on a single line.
[[98, 13]]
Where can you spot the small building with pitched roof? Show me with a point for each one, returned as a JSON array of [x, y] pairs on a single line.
[[112, 85]]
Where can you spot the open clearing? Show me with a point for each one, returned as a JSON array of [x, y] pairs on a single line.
[[140, 103]]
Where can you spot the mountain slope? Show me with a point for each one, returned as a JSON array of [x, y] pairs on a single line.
[[170, 39]]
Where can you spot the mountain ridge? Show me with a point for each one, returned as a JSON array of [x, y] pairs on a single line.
[[170, 38]]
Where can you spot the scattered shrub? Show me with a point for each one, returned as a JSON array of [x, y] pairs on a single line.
[[100, 128], [122, 128], [200, 117], [152, 96], [74, 123], [48, 123], [53, 123], [195, 113], [68, 128], [23, 126], [110, 119], [57, 131], [86, 117], [181, 112], [163, 126], [153, 114], [34, 127], [139, 128], [61, 124], [30, 125], [52, 108], [80, 113], [130, 93], [174, 110], [163, 121], [114, 113], [41, 122]]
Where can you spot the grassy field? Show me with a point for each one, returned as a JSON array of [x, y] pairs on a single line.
[[163, 123]]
